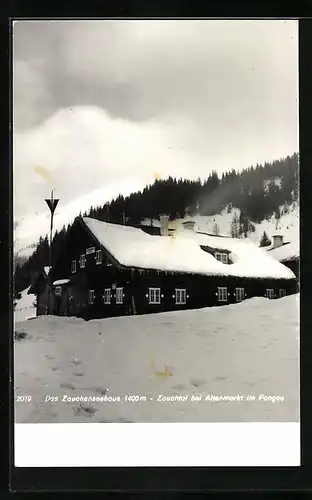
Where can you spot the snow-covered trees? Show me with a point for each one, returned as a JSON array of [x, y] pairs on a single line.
[[216, 229], [265, 240], [235, 233]]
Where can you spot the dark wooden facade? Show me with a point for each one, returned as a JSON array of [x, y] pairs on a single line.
[[40, 288], [201, 291], [292, 264]]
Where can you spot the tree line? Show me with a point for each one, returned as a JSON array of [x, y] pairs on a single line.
[[257, 192]]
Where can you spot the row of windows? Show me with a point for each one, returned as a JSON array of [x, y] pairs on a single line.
[[223, 294], [240, 295], [82, 259], [107, 297], [270, 293], [154, 295]]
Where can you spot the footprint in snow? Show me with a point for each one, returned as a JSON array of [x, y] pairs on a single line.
[[79, 374], [178, 387], [196, 382], [65, 385], [251, 384], [49, 357], [84, 410], [220, 377], [99, 390], [76, 361]]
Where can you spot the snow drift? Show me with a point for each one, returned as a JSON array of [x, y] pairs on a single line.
[[25, 308], [223, 354]]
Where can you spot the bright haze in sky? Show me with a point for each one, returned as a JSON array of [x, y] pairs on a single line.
[[105, 106]]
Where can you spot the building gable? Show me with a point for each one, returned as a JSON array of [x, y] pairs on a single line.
[[80, 253], [38, 284]]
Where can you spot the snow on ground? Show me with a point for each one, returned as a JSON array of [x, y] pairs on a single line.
[[25, 308], [251, 348]]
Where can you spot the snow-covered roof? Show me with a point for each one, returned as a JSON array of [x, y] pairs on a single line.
[[285, 252], [61, 282], [182, 252]]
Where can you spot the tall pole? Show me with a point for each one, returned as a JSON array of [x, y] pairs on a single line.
[[51, 229], [52, 203]]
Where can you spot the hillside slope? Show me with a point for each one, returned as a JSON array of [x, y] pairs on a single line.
[[25, 308], [288, 224]]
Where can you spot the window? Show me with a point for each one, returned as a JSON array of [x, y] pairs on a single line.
[[98, 257], [91, 297], [119, 295], [269, 293], [109, 263], [222, 257], [154, 295], [82, 260], [73, 266], [107, 296], [282, 292], [222, 294], [180, 295], [90, 250], [58, 290], [240, 294]]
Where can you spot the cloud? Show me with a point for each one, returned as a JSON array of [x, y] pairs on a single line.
[[143, 69], [83, 147], [100, 102]]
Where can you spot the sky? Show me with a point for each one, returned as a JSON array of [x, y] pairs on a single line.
[[107, 106]]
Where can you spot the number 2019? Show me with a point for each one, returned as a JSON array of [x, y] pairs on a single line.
[[23, 399]]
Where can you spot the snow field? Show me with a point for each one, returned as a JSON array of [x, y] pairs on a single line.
[[25, 307], [250, 348]]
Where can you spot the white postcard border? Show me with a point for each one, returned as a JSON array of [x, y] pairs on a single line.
[[158, 445]]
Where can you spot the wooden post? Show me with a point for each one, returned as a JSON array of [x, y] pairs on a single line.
[[52, 203]]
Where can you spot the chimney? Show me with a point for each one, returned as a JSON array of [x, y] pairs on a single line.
[[277, 240], [164, 224], [189, 225]]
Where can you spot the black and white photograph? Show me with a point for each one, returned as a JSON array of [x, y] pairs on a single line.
[[156, 221]]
